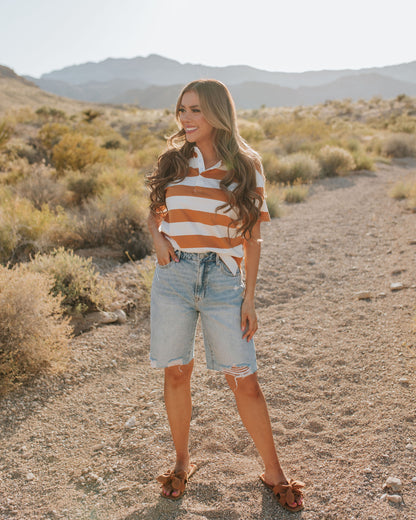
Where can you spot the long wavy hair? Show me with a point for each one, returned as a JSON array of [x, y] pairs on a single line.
[[240, 159]]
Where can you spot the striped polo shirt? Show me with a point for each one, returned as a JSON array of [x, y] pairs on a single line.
[[192, 221]]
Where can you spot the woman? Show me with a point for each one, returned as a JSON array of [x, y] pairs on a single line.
[[207, 202]]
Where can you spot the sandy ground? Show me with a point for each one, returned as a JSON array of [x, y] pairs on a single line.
[[337, 373]]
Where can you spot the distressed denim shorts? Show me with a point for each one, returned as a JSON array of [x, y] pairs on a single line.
[[199, 284]]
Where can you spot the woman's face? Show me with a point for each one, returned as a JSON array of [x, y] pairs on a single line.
[[197, 128]]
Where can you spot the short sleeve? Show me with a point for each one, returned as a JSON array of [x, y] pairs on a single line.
[[260, 189]]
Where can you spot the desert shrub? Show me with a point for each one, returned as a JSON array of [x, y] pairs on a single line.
[[145, 271], [270, 165], [252, 133], [112, 144], [76, 152], [145, 158], [362, 161], [335, 161], [295, 193], [300, 165], [76, 279], [399, 145], [51, 133], [82, 187], [25, 230], [42, 187], [116, 218], [33, 335], [90, 114], [47, 113], [273, 199], [6, 132], [401, 190]]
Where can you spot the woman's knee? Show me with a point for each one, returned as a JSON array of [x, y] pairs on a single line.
[[244, 385], [179, 374]]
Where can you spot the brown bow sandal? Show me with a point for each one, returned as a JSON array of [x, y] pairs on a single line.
[[287, 494], [176, 481]]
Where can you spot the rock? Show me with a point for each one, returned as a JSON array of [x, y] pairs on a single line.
[[130, 423], [414, 480], [410, 446], [123, 488], [396, 499], [383, 496], [396, 286], [121, 316], [382, 295], [363, 295], [367, 470], [404, 381], [395, 484], [30, 476]]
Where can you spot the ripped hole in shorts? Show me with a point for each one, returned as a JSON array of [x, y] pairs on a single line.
[[237, 373]]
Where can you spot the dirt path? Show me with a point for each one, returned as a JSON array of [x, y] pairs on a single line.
[[337, 372]]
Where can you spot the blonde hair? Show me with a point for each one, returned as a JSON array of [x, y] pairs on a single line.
[[240, 159]]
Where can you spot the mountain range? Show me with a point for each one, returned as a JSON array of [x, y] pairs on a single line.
[[155, 81]]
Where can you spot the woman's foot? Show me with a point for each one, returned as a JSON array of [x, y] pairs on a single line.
[[174, 482], [289, 494]]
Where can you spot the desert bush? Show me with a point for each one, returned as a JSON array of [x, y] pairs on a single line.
[[362, 161], [76, 279], [6, 132], [112, 144], [47, 113], [76, 152], [252, 133], [90, 114], [51, 133], [273, 199], [145, 158], [116, 219], [82, 186], [399, 145], [270, 165], [33, 335], [335, 161], [42, 187], [25, 230], [297, 192], [300, 165], [401, 190]]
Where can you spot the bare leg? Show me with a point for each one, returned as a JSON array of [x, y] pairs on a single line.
[[255, 416], [179, 409]]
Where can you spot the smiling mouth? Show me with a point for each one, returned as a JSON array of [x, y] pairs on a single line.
[[191, 129]]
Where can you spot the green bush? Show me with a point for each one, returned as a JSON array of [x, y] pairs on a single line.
[[76, 279], [300, 165], [335, 161], [33, 335], [76, 152], [399, 145], [116, 219], [295, 193]]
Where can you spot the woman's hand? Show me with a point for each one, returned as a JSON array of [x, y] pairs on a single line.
[[249, 323], [164, 250]]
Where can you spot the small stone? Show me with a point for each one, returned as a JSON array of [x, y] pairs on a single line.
[[393, 483], [363, 295], [410, 446], [130, 423], [123, 488], [396, 499], [121, 316], [93, 476], [113, 363], [414, 480], [382, 295], [368, 470], [383, 496], [30, 476], [404, 381], [396, 286]]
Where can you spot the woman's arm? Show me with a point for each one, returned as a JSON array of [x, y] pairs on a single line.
[[164, 249], [252, 248]]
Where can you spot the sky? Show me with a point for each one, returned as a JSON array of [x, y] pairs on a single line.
[[38, 36]]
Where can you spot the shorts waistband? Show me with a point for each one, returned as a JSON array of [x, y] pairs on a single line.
[[209, 256]]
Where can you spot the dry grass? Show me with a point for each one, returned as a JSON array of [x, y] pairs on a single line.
[[75, 279], [33, 335], [335, 161]]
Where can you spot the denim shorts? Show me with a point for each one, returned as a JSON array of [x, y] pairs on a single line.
[[199, 284]]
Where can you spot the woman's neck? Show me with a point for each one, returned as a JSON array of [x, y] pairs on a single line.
[[208, 153]]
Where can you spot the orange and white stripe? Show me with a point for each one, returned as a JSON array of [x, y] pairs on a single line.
[[192, 221]]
